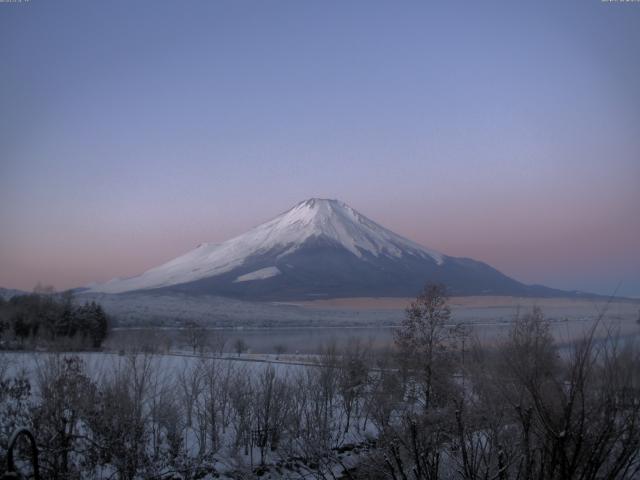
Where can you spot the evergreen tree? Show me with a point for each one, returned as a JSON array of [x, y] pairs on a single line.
[[99, 325], [20, 326]]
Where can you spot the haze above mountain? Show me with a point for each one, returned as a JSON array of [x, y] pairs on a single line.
[[320, 248]]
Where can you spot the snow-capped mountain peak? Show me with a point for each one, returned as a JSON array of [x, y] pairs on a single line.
[[337, 221], [331, 221]]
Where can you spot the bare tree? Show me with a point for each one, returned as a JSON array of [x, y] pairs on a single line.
[[425, 340], [190, 384], [120, 419], [270, 409], [241, 395], [214, 404], [216, 341], [66, 394], [579, 417], [280, 349], [240, 346], [535, 414], [353, 378], [195, 336]]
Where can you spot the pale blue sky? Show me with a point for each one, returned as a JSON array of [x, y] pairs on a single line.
[[504, 131]]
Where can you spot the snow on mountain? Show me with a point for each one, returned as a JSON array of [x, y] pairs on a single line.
[[261, 274], [8, 293], [330, 220]]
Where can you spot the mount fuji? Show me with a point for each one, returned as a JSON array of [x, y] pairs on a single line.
[[319, 249]]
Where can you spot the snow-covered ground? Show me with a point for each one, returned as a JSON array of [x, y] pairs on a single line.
[[197, 385], [173, 309], [100, 363]]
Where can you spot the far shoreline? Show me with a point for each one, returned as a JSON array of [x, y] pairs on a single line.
[[474, 301]]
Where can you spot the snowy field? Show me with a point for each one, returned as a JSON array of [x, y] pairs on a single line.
[[234, 417], [172, 365], [173, 309]]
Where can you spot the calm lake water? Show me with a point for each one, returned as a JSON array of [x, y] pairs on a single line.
[[306, 340]]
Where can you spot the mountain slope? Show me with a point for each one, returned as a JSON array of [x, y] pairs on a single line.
[[319, 248], [8, 293]]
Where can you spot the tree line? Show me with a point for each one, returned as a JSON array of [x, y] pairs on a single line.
[[38, 319]]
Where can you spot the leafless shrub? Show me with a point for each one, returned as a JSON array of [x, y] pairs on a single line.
[[65, 396], [240, 346], [240, 400]]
